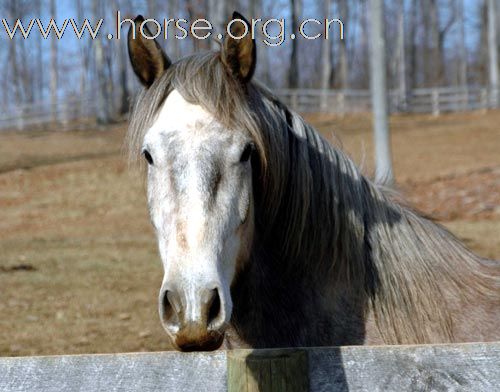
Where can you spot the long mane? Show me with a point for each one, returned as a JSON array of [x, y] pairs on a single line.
[[317, 214]]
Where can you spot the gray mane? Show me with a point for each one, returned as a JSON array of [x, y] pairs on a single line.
[[318, 215]]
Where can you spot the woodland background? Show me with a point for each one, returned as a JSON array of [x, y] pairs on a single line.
[[430, 43]]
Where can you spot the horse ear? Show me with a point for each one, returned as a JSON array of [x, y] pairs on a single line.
[[239, 54], [146, 56]]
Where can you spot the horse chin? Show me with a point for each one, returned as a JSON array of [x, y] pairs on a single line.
[[211, 342]]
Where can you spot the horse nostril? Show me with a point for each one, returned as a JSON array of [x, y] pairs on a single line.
[[170, 309], [214, 307]]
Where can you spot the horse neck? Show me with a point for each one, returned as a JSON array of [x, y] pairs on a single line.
[[313, 217], [331, 225]]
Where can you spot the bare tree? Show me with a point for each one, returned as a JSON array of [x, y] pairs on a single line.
[[343, 61], [172, 42], [326, 65], [260, 9], [412, 44], [230, 7], [293, 72], [12, 9], [402, 53], [27, 73], [434, 59], [197, 9], [53, 64], [101, 90], [435, 34], [422, 52], [84, 54], [493, 52], [362, 75], [462, 66], [482, 62], [152, 9], [121, 65], [216, 9], [39, 57], [383, 160]]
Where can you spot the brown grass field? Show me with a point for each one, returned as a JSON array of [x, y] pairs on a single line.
[[79, 270]]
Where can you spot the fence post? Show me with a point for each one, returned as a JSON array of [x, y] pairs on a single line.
[[294, 99], [465, 106], [494, 97], [64, 119], [341, 102], [484, 100], [20, 119], [324, 100], [403, 103], [284, 370], [435, 102]]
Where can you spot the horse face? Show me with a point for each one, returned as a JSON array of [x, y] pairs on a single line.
[[201, 206], [199, 194]]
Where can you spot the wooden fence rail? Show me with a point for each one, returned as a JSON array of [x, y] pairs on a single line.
[[460, 367], [428, 100], [78, 112], [72, 113]]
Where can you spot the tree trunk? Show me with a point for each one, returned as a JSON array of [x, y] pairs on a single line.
[[152, 9], [15, 72], [53, 65], [343, 60], [493, 53], [84, 58], [39, 59], [412, 61], [401, 54], [230, 7], [101, 90], [435, 63], [462, 67], [121, 66], [293, 73], [27, 72], [326, 65], [216, 9], [364, 79], [172, 42], [378, 77]]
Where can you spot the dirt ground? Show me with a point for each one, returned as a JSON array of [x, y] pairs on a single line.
[[79, 270]]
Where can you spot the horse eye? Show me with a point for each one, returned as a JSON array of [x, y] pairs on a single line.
[[148, 157], [247, 153]]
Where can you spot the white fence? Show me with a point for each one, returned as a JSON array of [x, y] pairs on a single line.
[[71, 113], [429, 100], [74, 113]]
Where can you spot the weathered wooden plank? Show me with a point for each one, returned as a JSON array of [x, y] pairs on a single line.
[[462, 367], [124, 372]]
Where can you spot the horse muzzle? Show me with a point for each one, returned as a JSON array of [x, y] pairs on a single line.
[[194, 318]]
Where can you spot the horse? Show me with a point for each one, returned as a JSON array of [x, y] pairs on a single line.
[[270, 236]]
